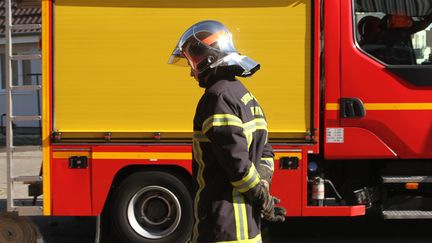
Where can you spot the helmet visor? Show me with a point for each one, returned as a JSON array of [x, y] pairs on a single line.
[[177, 58]]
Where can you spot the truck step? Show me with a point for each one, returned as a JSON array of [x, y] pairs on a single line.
[[22, 149], [26, 118], [407, 179], [28, 210], [26, 148], [26, 57], [27, 179], [26, 27], [407, 214], [26, 87]]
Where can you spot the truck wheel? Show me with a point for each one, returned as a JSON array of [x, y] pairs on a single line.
[[152, 206], [15, 229]]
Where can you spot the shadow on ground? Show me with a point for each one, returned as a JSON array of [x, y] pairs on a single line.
[[298, 230]]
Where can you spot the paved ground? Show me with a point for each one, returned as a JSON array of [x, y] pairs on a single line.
[[25, 164], [334, 230]]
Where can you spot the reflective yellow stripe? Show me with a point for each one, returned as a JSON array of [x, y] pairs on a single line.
[[386, 106], [249, 138], [237, 210], [245, 218], [201, 183], [269, 162], [260, 124], [200, 136], [256, 239], [249, 128], [398, 106], [255, 124], [218, 120], [67, 155], [251, 172], [240, 215], [141, 155], [332, 106], [251, 179], [231, 120]]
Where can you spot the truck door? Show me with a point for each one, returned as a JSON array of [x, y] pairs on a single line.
[[386, 76]]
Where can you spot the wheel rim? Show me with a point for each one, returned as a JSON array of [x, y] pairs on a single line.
[[154, 212]]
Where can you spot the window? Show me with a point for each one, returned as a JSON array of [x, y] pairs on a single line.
[[396, 32], [21, 72]]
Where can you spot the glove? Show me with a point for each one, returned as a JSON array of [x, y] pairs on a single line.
[[277, 214], [260, 196]]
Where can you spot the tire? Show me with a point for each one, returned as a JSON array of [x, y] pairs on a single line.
[[152, 206], [15, 229]]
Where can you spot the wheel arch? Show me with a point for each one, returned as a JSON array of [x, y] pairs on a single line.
[[175, 170], [178, 171]]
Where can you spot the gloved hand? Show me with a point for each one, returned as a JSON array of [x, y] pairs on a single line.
[[275, 215], [260, 196]]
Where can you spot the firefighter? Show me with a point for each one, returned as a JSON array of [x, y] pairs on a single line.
[[369, 29], [232, 159]]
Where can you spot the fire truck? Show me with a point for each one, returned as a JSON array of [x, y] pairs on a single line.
[[345, 84]]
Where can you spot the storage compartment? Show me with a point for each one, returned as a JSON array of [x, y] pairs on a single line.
[[111, 72], [71, 183]]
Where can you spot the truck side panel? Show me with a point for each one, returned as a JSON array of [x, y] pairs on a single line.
[[111, 71]]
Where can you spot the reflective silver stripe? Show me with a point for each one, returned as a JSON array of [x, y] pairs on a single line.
[[261, 124], [269, 162], [240, 216], [250, 180], [249, 184], [250, 127], [218, 120], [255, 124]]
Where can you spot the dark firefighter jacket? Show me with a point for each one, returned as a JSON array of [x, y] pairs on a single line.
[[229, 148]]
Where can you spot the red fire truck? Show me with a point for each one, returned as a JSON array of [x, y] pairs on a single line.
[[345, 84]]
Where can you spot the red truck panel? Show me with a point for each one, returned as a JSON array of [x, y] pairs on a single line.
[[71, 192], [394, 110]]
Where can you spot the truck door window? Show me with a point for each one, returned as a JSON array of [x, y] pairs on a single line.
[[395, 32]]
